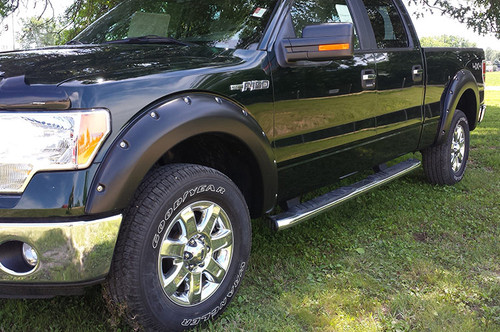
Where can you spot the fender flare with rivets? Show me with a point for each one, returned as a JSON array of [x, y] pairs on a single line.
[[162, 126]]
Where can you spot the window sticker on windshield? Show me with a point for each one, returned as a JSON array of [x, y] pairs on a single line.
[[259, 12]]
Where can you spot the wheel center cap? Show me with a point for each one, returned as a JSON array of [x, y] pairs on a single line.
[[196, 250]]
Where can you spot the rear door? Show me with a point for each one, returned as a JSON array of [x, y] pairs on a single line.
[[400, 85]]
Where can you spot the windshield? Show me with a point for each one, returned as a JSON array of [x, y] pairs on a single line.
[[224, 23]]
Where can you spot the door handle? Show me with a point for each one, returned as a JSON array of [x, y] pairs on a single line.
[[417, 73], [368, 79]]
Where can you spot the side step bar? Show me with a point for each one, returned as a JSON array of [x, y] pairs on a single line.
[[318, 205]]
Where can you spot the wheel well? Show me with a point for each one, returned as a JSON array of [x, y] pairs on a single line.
[[226, 154], [468, 105]]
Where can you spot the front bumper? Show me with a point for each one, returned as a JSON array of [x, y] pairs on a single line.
[[67, 253]]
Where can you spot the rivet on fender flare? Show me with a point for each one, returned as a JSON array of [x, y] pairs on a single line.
[[187, 100], [245, 113], [123, 145], [100, 188], [154, 115], [218, 100]]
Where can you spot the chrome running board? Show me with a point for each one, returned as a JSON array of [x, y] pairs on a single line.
[[318, 205]]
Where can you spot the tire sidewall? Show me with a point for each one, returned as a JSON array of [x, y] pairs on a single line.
[[214, 188], [459, 118]]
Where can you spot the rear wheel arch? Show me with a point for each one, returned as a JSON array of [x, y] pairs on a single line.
[[469, 105], [462, 93]]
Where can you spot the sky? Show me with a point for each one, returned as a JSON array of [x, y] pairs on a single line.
[[430, 25]]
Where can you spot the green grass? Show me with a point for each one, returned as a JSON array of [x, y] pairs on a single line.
[[407, 256], [493, 79]]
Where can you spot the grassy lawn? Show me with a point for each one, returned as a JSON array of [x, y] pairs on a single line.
[[407, 256], [493, 79]]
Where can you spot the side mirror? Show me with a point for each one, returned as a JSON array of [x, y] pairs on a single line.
[[321, 42]]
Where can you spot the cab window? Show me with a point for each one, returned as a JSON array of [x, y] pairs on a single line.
[[386, 23]]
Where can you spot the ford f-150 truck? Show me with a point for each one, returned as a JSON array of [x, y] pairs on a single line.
[[136, 154]]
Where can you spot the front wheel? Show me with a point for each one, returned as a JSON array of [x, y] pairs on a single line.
[[446, 163], [182, 250]]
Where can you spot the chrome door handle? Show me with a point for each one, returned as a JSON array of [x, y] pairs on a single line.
[[368, 77], [417, 73]]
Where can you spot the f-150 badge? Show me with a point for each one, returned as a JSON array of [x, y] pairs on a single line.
[[251, 85]]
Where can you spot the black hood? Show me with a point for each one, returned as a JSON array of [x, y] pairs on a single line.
[[30, 79], [59, 64]]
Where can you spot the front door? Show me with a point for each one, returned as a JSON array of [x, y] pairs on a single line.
[[323, 125]]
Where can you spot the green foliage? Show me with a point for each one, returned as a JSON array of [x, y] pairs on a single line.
[[83, 12], [492, 55], [39, 32], [483, 16], [6, 7], [446, 41]]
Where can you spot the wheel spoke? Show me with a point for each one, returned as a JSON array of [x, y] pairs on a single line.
[[209, 219], [174, 249], [173, 282], [195, 283], [222, 239], [216, 271], [188, 221]]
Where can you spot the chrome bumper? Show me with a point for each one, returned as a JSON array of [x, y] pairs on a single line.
[[66, 252]]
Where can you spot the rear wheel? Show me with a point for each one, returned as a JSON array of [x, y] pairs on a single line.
[[446, 163], [182, 250]]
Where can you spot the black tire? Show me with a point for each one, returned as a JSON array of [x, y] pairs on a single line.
[[445, 164], [135, 285]]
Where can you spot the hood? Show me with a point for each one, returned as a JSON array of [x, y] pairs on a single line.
[[59, 64], [30, 79]]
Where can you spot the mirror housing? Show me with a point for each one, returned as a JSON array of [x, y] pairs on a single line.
[[321, 42]]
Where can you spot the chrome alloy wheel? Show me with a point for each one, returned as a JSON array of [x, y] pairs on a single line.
[[457, 148], [195, 253]]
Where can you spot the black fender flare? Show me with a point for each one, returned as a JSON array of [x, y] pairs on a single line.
[[461, 82], [159, 128]]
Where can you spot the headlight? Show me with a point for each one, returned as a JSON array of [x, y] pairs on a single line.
[[45, 141]]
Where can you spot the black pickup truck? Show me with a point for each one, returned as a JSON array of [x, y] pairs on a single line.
[[136, 154]]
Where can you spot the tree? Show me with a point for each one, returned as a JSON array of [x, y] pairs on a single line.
[[446, 41], [9, 6], [483, 16], [492, 55], [38, 33]]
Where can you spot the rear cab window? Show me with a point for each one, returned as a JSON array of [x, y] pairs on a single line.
[[387, 25]]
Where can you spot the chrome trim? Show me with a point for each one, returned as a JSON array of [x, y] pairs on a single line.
[[67, 252], [482, 111], [369, 77], [192, 263], [286, 221], [63, 104]]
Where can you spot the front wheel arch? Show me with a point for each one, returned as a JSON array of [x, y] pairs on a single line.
[[142, 144]]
